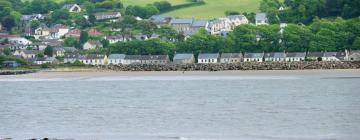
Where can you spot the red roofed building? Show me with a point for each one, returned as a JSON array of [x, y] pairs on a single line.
[[93, 32], [74, 33]]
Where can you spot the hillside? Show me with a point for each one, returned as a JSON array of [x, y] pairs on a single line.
[[212, 8]]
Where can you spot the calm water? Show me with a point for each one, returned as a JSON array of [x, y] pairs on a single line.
[[292, 107]]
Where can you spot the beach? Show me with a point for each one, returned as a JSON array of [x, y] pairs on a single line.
[[66, 73]]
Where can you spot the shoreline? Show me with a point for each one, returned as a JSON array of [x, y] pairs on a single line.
[[46, 74]]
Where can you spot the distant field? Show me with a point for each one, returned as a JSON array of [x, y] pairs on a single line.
[[144, 2], [216, 8], [212, 8]]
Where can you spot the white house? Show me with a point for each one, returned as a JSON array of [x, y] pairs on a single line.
[[274, 57], [237, 20], [37, 46], [58, 52], [117, 38], [14, 39], [206, 58], [47, 60], [295, 56], [57, 31], [94, 59], [222, 24], [116, 59], [253, 57], [92, 45], [26, 54], [334, 56], [107, 15], [132, 59], [184, 58], [261, 19], [231, 58], [354, 56], [72, 8]]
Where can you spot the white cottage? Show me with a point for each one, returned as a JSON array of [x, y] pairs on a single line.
[[274, 57], [295, 56], [206, 58], [116, 59], [253, 57], [92, 45], [231, 58], [261, 19], [184, 58], [72, 8]]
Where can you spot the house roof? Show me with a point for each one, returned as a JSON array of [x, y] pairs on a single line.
[[182, 21], [260, 16], [70, 49], [160, 19], [68, 6], [114, 37], [105, 15], [199, 23], [30, 51], [117, 56], [94, 32], [234, 17], [94, 56], [94, 42], [72, 55], [315, 54], [183, 56], [254, 55], [296, 54], [274, 55], [231, 55], [208, 55], [155, 57], [133, 57], [330, 54], [58, 49]]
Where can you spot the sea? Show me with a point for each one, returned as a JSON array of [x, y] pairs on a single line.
[[176, 107]]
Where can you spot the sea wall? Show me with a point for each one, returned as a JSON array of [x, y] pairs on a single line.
[[237, 66]]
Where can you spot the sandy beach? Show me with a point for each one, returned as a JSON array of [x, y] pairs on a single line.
[[96, 73]]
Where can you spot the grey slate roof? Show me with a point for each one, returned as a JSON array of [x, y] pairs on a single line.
[[234, 17], [253, 55], [68, 6], [330, 54], [315, 54], [199, 23], [183, 56], [160, 19], [208, 55], [133, 57], [117, 56], [94, 56], [182, 21], [260, 16], [231, 55], [155, 57], [296, 54], [274, 55]]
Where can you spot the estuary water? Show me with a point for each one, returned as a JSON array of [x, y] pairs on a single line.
[[184, 107]]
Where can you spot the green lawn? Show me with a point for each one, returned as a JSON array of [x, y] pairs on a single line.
[[216, 8]]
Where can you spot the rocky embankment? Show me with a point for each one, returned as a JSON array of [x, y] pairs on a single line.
[[16, 72], [238, 66]]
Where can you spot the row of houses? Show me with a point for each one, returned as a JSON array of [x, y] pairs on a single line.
[[219, 26], [207, 58]]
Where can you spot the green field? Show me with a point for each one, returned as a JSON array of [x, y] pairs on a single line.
[[144, 2], [212, 8]]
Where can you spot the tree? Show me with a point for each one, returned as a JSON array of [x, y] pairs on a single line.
[[8, 22], [59, 15], [244, 37], [83, 38], [356, 44], [146, 27], [92, 19], [167, 32], [34, 24], [296, 38], [162, 5], [49, 51], [70, 42]]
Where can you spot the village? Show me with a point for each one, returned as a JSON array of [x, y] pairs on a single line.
[[49, 47]]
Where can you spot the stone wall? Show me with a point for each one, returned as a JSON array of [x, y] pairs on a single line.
[[238, 66]]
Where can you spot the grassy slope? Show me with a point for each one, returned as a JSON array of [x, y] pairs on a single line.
[[144, 2], [217, 8], [212, 8]]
